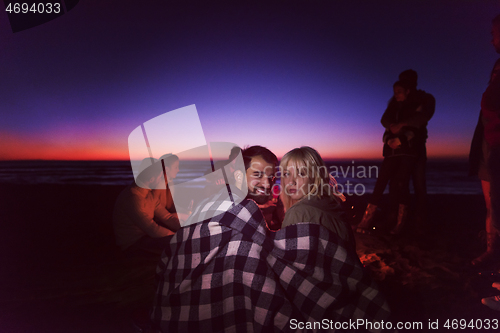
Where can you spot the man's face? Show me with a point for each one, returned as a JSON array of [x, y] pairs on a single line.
[[260, 178], [495, 37], [400, 93], [172, 170]]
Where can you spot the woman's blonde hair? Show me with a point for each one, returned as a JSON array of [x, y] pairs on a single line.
[[307, 159]]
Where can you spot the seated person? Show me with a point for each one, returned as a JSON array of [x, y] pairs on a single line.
[[273, 212], [307, 194], [230, 273], [140, 219], [261, 188], [171, 164]]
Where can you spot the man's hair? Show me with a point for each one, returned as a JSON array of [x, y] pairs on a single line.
[[496, 20], [250, 152], [230, 162], [410, 77], [150, 168], [234, 152], [169, 159], [402, 84]]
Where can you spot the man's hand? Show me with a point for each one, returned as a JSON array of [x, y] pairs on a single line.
[[394, 143], [270, 203], [182, 217], [395, 128]]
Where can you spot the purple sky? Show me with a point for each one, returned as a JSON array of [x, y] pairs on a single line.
[[279, 74]]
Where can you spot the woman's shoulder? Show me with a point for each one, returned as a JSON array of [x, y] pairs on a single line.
[[314, 205], [324, 210]]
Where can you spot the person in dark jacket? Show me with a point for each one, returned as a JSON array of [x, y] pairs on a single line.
[[419, 121], [478, 156], [402, 142]]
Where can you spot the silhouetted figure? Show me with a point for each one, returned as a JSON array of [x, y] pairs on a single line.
[[419, 121], [490, 149], [402, 142], [478, 157]]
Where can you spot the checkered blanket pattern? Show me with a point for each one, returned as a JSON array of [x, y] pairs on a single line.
[[231, 274]]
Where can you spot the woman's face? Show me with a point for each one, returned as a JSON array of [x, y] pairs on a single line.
[[172, 170], [400, 93], [296, 182]]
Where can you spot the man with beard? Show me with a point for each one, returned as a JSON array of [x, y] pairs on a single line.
[[260, 166], [225, 271], [259, 172]]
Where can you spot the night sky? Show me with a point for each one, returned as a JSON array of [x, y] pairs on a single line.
[[279, 74]]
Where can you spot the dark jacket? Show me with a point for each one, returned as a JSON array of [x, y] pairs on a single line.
[[490, 108], [326, 211], [476, 148], [416, 111]]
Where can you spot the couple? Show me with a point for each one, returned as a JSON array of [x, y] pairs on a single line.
[[404, 151], [231, 273]]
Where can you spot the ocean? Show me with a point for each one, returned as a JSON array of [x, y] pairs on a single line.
[[444, 176]]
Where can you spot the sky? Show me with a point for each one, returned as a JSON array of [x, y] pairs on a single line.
[[281, 74]]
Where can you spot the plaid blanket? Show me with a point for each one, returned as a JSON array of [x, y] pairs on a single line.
[[232, 274]]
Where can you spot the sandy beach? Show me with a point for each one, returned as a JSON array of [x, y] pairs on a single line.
[[61, 271]]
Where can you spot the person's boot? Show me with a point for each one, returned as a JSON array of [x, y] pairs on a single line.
[[492, 254], [402, 216], [493, 302], [365, 226]]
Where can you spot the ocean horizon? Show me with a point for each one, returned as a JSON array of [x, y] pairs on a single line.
[[354, 176]]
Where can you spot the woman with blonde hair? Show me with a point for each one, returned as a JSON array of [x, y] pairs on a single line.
[[308, 195]]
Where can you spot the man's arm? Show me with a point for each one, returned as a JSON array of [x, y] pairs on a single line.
[[164, 215], [142, 217], [170, 220], [424, 112], [387, 117], [491, 97]]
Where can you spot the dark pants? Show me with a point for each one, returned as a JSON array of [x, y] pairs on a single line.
[[397, 170], [148, 245], [419, 184], [493, 164]]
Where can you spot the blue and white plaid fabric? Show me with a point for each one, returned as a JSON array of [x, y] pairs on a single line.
[[231, 274]]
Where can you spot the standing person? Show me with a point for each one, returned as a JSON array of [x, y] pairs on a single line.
[[230, 273], [490, 114], [418, 121], [401, 141], [490, 118], [477, 160]]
